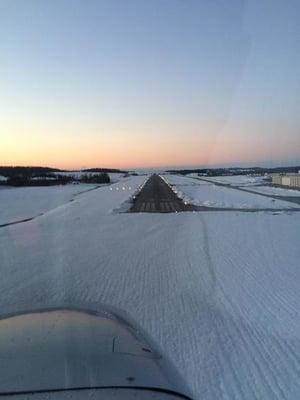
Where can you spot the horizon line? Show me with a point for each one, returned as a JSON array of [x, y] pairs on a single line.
[[235, 165]]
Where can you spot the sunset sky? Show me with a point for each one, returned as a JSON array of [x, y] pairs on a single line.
[[149, 83]]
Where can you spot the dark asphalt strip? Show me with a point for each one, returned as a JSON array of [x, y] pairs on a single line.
[[156, 196]]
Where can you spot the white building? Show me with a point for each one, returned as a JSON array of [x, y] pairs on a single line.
[[291, 180]]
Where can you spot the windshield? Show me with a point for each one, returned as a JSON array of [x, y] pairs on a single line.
[[149, 160]]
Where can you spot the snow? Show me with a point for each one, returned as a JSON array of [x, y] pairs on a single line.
[[218, 291], [203, 193], [3, 178], [238, 180], [277, 191], [49, 178], [255, 183], [27, 202], [114, 176]]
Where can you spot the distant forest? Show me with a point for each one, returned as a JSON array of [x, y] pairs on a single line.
[[235, 171], [111, 170], [27, 171], [45, 176], [45, 171]]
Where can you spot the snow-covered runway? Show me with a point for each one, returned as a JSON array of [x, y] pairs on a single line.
[[218, 291]]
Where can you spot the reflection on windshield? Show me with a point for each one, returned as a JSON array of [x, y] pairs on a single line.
[[149, 160]]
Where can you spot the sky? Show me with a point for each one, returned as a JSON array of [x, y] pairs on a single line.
[[149, 83]]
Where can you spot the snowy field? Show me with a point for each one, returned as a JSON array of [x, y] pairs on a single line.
[[277, 191], [218, 291], [237, 180], [114, 176], [27, 202], [254, 183], [204, 193]]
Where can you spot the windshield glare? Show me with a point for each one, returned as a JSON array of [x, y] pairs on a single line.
[[150, 162]]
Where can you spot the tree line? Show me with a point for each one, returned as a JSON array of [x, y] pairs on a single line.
[[45, 176]]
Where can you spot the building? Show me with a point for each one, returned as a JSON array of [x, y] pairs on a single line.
[[276, 179], [290, 180]]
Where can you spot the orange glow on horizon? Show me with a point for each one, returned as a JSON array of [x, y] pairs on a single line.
[[130, 147], [159, 152]]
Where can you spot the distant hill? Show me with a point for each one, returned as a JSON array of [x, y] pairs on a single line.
[[31, 171], [27, 171], [111, 170], [46, 176], [236, 171]]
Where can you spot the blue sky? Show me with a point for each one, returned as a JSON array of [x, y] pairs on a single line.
[[146, 83]]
